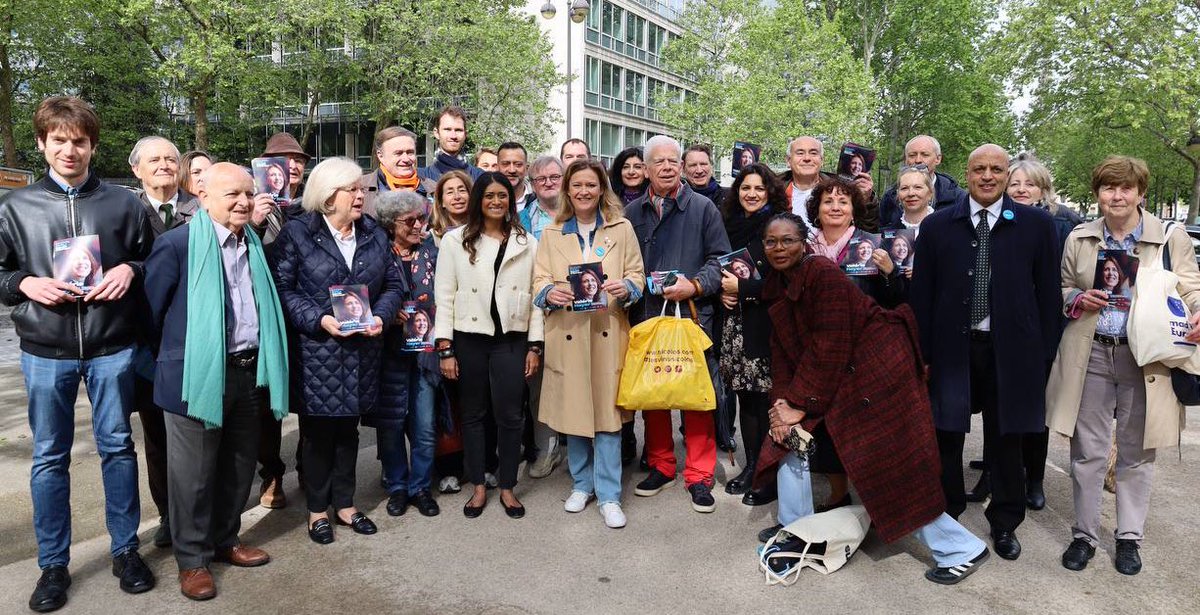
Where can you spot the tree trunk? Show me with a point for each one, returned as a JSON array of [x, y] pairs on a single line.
[[1194, 202], [310, 120], [200, 112], [7, 140]]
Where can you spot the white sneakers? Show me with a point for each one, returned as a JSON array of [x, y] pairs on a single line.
[[613, 516], [577, 501]]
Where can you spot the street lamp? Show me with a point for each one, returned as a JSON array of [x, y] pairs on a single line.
[[577, 13]]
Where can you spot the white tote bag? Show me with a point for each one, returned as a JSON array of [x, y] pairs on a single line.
[[839, 531], [1158, 317]]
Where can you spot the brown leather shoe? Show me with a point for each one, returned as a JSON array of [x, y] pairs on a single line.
[[197, 584], [242, 556], [271, 493]]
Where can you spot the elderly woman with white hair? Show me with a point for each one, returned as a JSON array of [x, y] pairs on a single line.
[[410, 375], [336, 376]]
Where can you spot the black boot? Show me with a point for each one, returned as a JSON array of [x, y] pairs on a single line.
[[982, 489], [628, 444], [741, 483]]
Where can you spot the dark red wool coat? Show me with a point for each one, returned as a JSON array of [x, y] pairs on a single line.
[[847, 362]]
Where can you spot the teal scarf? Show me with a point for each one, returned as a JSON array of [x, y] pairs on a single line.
[[204, 361]]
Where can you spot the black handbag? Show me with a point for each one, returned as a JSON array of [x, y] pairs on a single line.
[[1187, 386]]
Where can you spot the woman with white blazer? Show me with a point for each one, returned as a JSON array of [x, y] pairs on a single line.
[[487, 330]]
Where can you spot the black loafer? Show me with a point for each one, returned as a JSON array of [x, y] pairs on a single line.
[[321, 532], [472, 512], [1127, 561], [360, 524], [162, 535], [515, 512], [397, 503], [955, 574], [426, 505], [135, 576], [768, 533], [760, 496], [51, 591], [982, 490], [1077, 555], [740, 484], [1035, 497], [1006, 544]]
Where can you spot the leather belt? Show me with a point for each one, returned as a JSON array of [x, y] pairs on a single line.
[[243, 358], [1111, 340]]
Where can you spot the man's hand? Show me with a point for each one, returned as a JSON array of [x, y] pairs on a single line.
[[48, 291], [264, 204], [883, 261], [865, 184], [681, 290], [115, 284]]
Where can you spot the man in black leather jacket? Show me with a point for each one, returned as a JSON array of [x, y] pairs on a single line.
[[70, 334]]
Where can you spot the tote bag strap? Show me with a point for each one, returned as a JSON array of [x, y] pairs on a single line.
[[678, 312]]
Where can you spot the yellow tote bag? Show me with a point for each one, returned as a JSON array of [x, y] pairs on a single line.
[[664, 365]]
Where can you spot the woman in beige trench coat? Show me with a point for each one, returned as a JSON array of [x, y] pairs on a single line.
[[586, 349], [1095, 377]]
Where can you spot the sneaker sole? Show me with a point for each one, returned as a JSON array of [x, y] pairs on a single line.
[[652, 492], [581, 508], [974, 565], [704, 509]]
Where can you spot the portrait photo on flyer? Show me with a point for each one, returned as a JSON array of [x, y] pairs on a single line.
[[857, 260], [586, 282], [744, 155], [900, 245], [740, 264], [271, 176], [855, 159], [1116, 273], [418, 328], [351, 306], [77, 261]]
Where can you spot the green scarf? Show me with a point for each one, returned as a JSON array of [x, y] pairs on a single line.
[[204, 361]]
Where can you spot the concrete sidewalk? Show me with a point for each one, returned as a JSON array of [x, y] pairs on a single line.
[[668, 560]]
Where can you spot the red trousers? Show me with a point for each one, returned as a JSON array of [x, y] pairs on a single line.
[[699, 437]]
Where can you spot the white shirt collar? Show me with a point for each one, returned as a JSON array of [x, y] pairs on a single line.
[[338, 234], [174, 201], [907, 224], [993, 211]]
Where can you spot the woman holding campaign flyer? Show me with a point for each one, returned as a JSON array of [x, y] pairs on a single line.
[[744, 361], [1095, 376], [487, 332], [409, 379], [585, 350], [335, 375]]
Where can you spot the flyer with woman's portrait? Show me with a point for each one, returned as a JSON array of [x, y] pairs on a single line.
[[744, 155], [1116, 272], [77, 261], [857, 260], [855, 159], [271, 176], [900, 245], [351, 306], [740, 264], [586, 282], [418, 328]]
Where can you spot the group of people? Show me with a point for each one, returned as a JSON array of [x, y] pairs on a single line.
[[214, 318]]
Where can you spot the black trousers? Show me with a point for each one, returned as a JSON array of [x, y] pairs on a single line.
[[491, 373], [154, 437], [211, 470], [752, 416], [270, 439], [1003, 460], [330, 451]]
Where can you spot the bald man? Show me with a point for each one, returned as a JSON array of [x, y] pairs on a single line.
[[986, 296], [921, 150], [212, 455]]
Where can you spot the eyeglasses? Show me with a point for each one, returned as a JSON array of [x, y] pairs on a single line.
[[412, 222], [786, 242], [352, 189], [548, 179], [920, 166]]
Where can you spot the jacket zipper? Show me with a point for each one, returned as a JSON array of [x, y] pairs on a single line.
[[73, 220]]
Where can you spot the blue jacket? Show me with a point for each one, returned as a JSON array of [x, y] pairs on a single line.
[[333, 376], [1025, 310], [689, 238], [946, 193], [437, 169]]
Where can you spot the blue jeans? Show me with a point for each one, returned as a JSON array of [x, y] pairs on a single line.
[[398, 473], [596, 465], [53, 385], [951, 543]]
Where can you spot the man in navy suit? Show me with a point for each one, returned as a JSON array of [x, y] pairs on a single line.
[[986, 294]]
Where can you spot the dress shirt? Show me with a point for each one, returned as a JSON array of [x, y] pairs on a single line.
[[158, 205], [241, 317], [345, 244], [993, 216]]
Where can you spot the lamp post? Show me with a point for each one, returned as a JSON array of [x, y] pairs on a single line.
[[577, 12]]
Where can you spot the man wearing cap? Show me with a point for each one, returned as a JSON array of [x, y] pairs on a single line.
[[266, 219]]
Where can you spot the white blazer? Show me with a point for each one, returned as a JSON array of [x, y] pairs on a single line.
[[463, 291]]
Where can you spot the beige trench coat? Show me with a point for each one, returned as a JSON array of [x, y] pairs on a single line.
[[585, 351], [1164, 414]]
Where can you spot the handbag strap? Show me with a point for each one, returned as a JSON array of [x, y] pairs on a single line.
[[1165, 249], [678, 313]]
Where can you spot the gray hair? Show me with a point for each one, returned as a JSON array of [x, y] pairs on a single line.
[[937, 147], [542, 162], [135, 155], [820, 145], [326, 179], [658, 141], [395, 204]]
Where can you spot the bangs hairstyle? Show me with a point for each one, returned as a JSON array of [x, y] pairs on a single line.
[[777, 199], [69, 114], [474, 227], [331, 175], [185, 167], [610, 205], [1121, 171], [834, 185], [614, 172], [1040, 176], [440, 221]]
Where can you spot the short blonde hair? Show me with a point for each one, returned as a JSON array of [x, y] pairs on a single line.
[[1040, 176], [331, 175]]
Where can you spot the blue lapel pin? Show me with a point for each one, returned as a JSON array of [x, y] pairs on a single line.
[[1008, 214]]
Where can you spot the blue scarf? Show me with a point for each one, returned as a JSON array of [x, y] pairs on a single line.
[[204, 361]]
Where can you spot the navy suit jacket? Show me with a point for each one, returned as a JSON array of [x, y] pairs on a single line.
[[1026, 301]]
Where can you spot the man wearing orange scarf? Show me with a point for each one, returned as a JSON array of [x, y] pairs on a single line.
[[396, 151]]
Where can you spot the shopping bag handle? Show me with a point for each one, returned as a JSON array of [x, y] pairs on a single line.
[[678, 314]]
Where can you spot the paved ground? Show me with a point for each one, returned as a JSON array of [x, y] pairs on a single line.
[[668, 560]]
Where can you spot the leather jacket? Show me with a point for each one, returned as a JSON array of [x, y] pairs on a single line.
[[31, 219]]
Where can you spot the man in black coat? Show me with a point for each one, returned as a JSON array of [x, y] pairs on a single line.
[[986, 296], [921, 150]]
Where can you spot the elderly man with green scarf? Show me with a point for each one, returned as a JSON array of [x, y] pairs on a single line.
[[222, 356]]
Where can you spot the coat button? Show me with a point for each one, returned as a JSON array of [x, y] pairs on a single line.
[[473, 319], [850, 369], [604, 276], [474, 290], [604, 334], [967, 301], [866, 402], [1150, 379], [970, 272], [514, 288], [964, 330], [568, 338], [974, 243]]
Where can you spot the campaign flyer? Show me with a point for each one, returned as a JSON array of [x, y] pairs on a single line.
[[858, 259], [271, 176], [901, 247], [351, 306], [77, 261], [418, 328], [855, 159], [740, 264], [587, 281], [1116, 272], [658, 280]]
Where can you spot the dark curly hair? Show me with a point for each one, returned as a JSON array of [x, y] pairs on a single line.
[[474, 226], [830, 185], [614, 171], [777, 199]]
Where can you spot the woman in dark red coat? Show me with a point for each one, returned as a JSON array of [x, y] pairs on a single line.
[[849, 371]]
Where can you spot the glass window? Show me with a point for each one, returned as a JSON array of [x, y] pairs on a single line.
[[593, 74], [634, 136], [634, 27], [593, 18], [611, 85], [610, 139], [612, 18]]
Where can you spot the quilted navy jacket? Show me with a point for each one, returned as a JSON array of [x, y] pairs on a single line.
[[333, 376]]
